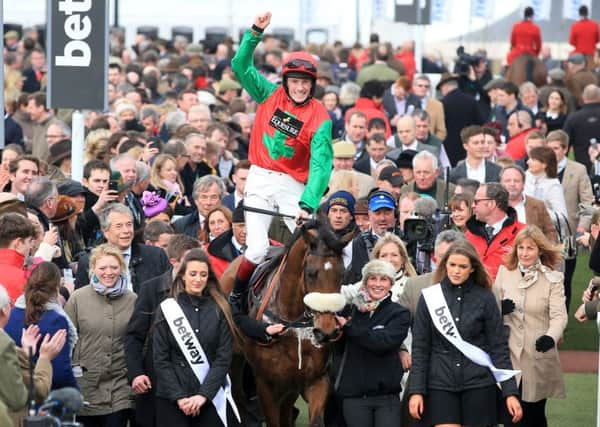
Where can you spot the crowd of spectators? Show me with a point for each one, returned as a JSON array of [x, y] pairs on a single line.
[[510, 172]]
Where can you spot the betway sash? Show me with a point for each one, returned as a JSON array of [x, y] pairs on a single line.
[[195, 356], [444, 323]]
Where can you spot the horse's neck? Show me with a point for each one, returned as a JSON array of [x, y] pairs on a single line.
[[290, 302]]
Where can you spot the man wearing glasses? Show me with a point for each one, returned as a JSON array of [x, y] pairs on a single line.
[[435, 109], [493, 226], [290, 145]]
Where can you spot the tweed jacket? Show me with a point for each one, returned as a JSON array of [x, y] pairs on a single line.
[[577, 188]]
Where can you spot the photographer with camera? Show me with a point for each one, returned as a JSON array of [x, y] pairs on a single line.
[[474, 74]]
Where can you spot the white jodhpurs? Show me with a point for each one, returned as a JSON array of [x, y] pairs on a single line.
[[273, 191]]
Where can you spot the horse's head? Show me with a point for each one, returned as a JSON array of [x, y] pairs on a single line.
[[323, 272]]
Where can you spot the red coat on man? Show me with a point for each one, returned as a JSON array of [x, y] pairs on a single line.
[[371, 110], [492, 253], [584, 36], [525, 37], [13, 274]]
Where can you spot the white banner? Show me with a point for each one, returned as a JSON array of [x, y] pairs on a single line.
[[194, 353], [444, 323], [571, 8]]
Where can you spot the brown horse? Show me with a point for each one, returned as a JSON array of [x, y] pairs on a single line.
[[305, 298], [525, 68]]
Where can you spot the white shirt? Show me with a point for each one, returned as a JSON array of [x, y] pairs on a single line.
[[127, 258], [477, 173], [520, 208], [498, 226]]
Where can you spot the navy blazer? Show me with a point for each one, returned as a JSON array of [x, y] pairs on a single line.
[[389, 103]]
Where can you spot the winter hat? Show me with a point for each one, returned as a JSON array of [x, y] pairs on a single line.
[[378, 266], [341, 198]]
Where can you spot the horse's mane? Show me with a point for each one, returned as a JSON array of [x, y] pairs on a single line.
[[324, 234]]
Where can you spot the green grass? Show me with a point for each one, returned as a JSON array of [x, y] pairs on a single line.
[[577, 410], [580, 336]]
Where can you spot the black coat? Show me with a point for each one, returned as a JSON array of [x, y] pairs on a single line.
[[438, 365], [13, 134], [373, 365], [189, 224], [492, 172], [460, 111], [582, 126], [145, 263], [174, 377], [389, 103], [362, 246], [138, 341], [30, 81]]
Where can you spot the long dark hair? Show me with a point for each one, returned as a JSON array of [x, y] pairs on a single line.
[[479, 275], [212, 290], [41, 287]]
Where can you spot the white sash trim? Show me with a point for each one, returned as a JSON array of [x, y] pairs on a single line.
[[444, 323], [195, 356]]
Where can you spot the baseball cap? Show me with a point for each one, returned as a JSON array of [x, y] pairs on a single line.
[[393, 175], [380, 200]]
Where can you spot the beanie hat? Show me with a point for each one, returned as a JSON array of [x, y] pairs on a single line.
[[378, 266], [341, 198]]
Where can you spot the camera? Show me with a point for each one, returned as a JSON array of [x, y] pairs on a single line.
[[465, 61], [420, 233]]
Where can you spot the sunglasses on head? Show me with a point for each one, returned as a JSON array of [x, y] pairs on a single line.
[[301, 63]]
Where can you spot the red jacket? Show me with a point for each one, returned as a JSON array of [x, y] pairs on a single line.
[[12, 272], [371, 110], [408, 60], [492, 253], [525, 37], [584, 36], [515, 147]]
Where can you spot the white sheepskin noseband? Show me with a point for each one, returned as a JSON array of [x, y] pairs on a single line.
[[325, 303]]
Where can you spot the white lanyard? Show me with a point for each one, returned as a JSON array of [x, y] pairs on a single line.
[[194, 354], [442, 319]]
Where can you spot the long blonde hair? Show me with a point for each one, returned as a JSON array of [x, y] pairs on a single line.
[[550, 254], [409, 270], [157, 167]]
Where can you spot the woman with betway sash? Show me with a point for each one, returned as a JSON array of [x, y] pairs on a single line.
[[460, 349], [193, 350]]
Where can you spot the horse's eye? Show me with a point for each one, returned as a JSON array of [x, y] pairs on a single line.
[[312, 273]]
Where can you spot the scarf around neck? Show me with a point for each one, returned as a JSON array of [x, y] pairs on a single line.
[[530, 274], [115, 291]]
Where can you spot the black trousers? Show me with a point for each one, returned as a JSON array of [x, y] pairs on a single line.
[[116, 419], [372, 411], [169, 414], [570, 265], [534, 415]]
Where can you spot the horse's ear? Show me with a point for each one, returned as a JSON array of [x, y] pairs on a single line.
[[310, 235]]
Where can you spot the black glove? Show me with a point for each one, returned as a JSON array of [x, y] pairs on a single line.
[[544, 343], [508, 306]]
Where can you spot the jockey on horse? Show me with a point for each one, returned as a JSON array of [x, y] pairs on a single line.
[[290, 151], [525, 38]]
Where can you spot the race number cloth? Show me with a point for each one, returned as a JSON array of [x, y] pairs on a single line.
[[195, 356], [444, 323]]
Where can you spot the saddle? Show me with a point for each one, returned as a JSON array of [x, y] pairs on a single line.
[[263, 271]]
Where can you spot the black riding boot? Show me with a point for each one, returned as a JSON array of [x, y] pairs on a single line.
[[238, 299]]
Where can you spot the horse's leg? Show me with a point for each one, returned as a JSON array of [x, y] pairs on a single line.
[[286, 410], [269, 401], [316, 396]]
